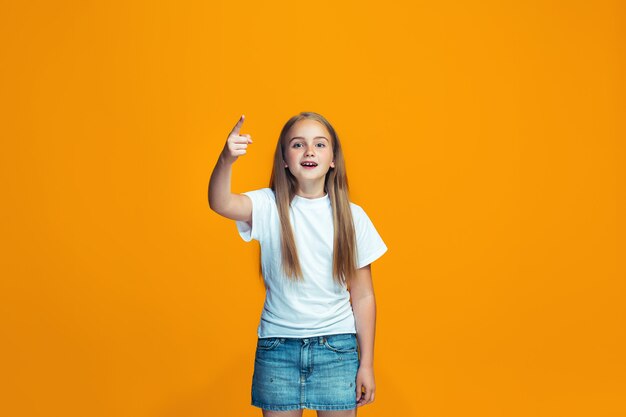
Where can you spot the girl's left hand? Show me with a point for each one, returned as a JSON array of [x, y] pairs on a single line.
[[365, 386]]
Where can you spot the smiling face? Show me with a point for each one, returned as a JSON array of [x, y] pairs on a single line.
[[308, 142]]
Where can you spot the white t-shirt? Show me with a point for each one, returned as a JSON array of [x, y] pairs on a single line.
[[317, 305]]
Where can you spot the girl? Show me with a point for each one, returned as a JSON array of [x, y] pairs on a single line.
[[315, 345]]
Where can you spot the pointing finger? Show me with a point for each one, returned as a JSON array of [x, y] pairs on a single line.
[[238, 125]]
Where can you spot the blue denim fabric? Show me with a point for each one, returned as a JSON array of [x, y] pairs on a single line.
[[317, 373]]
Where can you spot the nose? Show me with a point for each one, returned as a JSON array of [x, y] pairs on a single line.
[[309, 151]]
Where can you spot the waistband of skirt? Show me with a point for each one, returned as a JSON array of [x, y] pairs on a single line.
[[311, 339]]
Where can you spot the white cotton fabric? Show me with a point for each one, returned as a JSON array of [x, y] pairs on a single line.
[[317, 306]]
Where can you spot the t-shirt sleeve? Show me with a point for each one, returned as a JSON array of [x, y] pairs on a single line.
[[370, 245], [261, 205]]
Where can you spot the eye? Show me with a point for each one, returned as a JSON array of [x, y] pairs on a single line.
[[323, 144], [295, 145]]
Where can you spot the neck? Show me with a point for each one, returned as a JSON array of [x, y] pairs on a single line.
[[311, 190]]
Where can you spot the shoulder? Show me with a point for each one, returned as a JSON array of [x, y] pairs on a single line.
[[261, 193], [267, 192], [357, 211], [355, 207], [360, 217]]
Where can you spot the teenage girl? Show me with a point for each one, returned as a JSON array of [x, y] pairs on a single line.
[[315, 345]]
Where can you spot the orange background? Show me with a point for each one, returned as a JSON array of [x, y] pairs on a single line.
[[484, 140]]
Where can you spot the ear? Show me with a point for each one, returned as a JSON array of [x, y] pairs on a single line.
[[332, 164], [285, 164]]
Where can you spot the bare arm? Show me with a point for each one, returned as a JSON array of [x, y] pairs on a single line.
[[364, 307], [221, 199]]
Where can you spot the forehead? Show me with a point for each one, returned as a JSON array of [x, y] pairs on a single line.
[[308, 129]]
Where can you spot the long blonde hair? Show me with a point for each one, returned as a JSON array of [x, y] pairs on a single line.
[[284, 185]]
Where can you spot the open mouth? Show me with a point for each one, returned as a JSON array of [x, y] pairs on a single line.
[[309, 165]]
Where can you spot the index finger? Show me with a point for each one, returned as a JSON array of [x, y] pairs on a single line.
[[238, 125]]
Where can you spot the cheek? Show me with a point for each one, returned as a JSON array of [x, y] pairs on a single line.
[[292, 155]]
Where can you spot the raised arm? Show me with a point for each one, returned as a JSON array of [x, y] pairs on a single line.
[[221, 199]]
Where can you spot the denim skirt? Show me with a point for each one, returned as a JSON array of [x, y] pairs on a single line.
[[317, 373]]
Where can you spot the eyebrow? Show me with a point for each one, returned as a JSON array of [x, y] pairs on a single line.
[[300, 137]]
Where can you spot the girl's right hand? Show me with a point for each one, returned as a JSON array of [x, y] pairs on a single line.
[[236, 143]]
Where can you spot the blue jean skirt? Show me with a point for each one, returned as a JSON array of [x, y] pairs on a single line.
[[317, 373]]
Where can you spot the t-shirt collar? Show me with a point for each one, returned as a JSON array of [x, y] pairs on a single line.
[[311, 202]]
